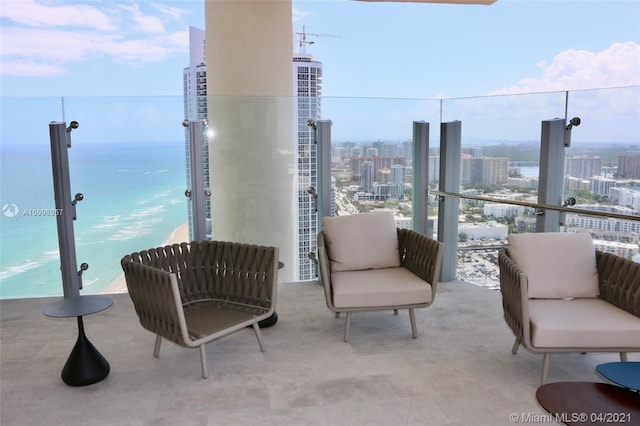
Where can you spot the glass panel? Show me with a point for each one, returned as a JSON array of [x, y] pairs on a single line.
[[602, 167], [499, 159], [126, 158], [372, 152], [28, 236]]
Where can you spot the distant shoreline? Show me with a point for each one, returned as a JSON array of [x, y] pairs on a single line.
[[179, 235]]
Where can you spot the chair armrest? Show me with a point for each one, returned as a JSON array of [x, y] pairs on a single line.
[[512, 288], [325, 271], [619, 281], [421, 255], [153, 298]]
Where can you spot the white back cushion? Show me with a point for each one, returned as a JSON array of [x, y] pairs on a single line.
[[361, 241], [558, 264]]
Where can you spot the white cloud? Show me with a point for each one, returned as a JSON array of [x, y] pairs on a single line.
[[45, 40], [299, 14], [144, 23], [34, 14], [616, 66]]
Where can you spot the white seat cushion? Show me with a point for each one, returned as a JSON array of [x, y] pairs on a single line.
[[361, 241], [582, 323], [378, 287], [558, 264]]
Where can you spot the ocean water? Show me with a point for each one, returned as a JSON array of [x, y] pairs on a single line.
[[133, 200]]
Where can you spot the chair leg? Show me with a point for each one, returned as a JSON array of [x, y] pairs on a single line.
[[414, 328], [347, 327], [623, 356], [203, 362], [156, 348], [256, 329], [516, 345], [545, 368], [395, 312]]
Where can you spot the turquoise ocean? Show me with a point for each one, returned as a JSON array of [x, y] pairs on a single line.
[[133, 200]]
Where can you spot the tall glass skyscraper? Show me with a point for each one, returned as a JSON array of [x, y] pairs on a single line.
[[307, 77]]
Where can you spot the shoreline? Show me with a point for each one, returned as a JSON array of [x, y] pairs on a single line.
[[179, 235]]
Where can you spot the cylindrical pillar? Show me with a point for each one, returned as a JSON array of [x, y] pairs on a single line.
[[252, 151]]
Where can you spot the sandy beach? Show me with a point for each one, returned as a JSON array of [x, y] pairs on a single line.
[[179, 235]]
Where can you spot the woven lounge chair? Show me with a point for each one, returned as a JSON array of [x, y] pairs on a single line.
[[561, 295], [367, 264], [194, 293]]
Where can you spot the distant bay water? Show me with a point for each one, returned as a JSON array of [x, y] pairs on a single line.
[[133, 200]]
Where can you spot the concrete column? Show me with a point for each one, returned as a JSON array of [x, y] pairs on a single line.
[[249, 48]]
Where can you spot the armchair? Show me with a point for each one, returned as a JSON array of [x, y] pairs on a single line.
[[561, 295], [366, 264], [192, 294]]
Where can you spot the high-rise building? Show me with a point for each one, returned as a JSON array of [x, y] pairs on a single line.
[[629, 165], [583, 166], [195, 108], [367, 172], [397, 177], [307, 77]]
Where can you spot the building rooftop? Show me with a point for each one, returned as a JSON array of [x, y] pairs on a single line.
[[459, 370]]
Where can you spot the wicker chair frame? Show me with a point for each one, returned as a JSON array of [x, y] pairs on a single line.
[[194, 293], [619, 284]]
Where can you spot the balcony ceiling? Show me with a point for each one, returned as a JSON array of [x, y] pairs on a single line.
[[485, 2]]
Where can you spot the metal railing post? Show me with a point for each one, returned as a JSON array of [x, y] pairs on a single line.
[[197, 194], [323, 139], [449, 208], [551, 177], [421, 178], [65, 206]]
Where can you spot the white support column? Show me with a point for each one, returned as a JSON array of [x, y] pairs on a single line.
[[251, 114]]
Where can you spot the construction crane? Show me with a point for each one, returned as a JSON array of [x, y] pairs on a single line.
[[303, 39]]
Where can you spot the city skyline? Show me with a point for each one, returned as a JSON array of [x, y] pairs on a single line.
[[386, 64]]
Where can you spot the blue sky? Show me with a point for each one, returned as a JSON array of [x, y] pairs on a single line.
[[102, 55]]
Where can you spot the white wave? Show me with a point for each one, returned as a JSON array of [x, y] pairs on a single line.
[[109, 225], [151, 211], [156, 172], [52, 254], [91, 243], [18, 269], [89, 283], [162, 194], [130, 233]]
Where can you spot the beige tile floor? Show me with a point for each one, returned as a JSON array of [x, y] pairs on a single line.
[[458, 371]]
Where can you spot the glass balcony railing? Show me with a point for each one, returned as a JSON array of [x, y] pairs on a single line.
[[129, 160]]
